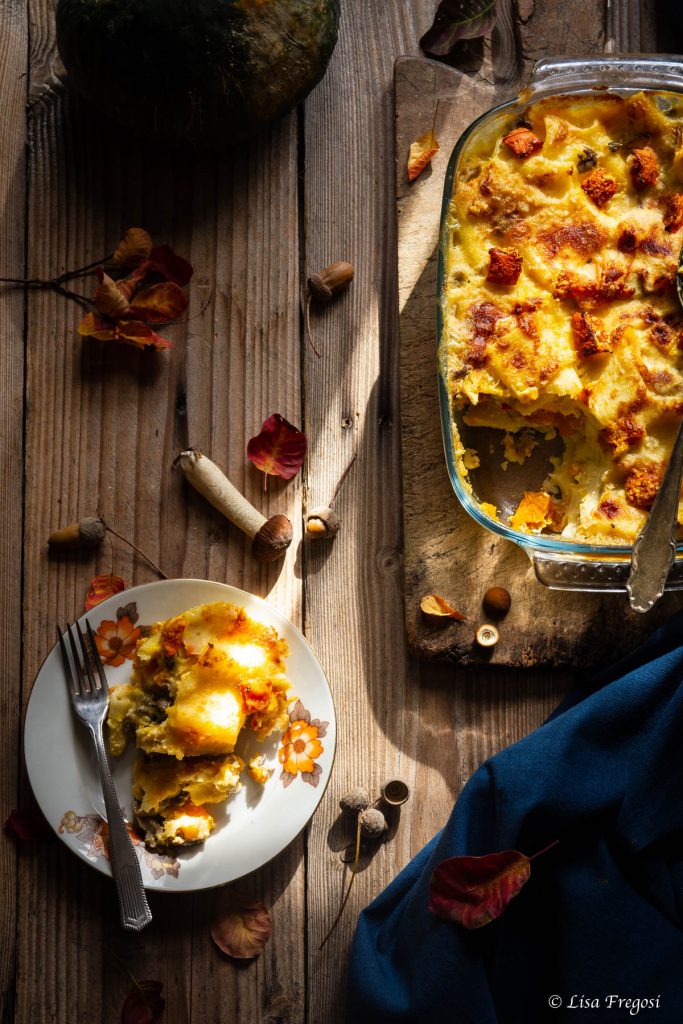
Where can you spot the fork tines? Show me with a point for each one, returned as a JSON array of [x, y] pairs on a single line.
[[84, 656]]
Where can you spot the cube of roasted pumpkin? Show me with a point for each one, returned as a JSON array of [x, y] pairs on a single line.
[[589, 340], [642, 484], [600, 187], [522, 142], [644, 167], [505, 266], [673, 211]]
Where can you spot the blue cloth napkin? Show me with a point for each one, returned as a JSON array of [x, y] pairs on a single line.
[[600, 918]]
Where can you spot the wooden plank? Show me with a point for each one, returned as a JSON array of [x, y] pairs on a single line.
[[13, 87], [103, 426], [352, 587], [388, 725]]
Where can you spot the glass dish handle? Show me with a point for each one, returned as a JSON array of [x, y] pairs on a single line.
[[618, 71], [567, 572]]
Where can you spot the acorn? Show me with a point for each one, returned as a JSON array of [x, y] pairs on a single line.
[[373, 824], [273, 539], [330, 281], [355, 801], [88, 533], [487, 636], [322, 524], [323, 287], [497, 602]]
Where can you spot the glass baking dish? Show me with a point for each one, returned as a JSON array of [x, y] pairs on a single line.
[[558, 564]]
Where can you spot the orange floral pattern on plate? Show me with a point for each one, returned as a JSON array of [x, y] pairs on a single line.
[[301, 747], [117, 640], [92, 832]]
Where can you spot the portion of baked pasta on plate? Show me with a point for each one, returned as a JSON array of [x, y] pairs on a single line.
[[200, 679]]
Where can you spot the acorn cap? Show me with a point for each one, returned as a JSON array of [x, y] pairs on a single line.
[[273, 539], [487, 636], [395, 792], [322, 523]]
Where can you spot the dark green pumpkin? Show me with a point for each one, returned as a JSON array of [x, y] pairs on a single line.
[[196, 72]]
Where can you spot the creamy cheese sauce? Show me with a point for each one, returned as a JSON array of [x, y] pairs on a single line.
[[560, 306]]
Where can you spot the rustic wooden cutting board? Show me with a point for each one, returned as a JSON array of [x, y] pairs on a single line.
[[446, 552]]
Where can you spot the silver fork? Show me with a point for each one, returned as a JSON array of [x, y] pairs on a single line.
[[90, 703]]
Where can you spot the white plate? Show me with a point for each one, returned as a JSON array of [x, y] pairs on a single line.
[[254, 825]]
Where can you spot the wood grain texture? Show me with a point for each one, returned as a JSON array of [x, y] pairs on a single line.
[[101, 430], [13, 88], [354, 613], [103, 425]]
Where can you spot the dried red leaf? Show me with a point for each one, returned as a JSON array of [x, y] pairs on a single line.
[[279, 450], [131, 332], [421, 153], [144, 1004], [163, 260], [141, 335], [456, 20], [436, 607], [29, 825], [102, 587], [109, 300], [133, 249], [243, 930], [475, 890], [160, 303]]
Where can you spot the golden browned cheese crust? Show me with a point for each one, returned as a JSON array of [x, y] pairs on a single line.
[[560, 306], [199, 679]]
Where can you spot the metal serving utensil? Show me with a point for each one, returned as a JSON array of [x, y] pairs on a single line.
[[655, 547], [90, 699]]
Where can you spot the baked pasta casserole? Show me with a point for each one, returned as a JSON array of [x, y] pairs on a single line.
[[560, 313], [199, 679]]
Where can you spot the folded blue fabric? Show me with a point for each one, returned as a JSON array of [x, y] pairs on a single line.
[[600, 918]]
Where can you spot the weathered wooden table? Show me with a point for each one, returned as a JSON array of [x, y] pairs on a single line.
[[88, 426]]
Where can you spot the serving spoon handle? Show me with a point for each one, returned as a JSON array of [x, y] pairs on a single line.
[[655, 547]]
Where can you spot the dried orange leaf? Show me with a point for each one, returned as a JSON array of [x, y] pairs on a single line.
[[279, 450], [144, 1004], [101, 588], [421, 153], [92, 326], [109, 301], [159, 303], [432, 604], [133, 249], [243, 929], [132, 332]]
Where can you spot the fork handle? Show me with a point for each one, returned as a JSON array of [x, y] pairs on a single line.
[[125, 866]]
